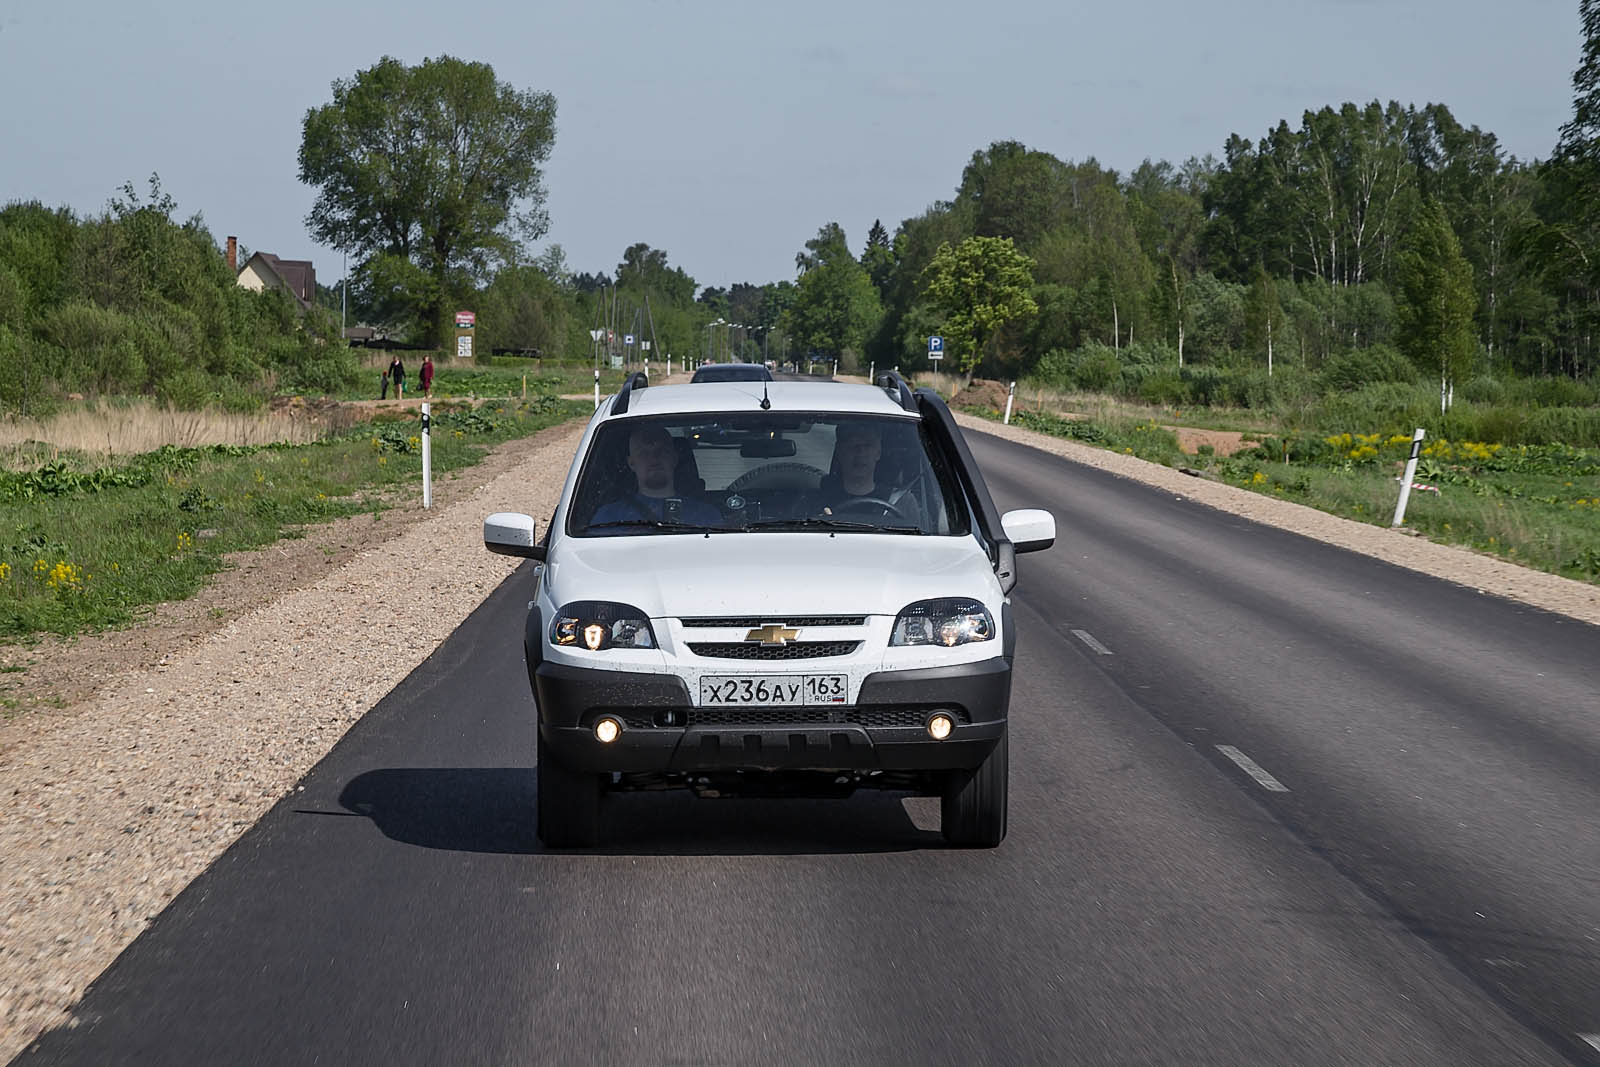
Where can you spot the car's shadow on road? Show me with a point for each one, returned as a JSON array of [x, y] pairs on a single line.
[[492, 809]]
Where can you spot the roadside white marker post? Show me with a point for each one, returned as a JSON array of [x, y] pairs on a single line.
[[1011, 394], [597, 388], [872, 372], [1405, 482], [427, 459]]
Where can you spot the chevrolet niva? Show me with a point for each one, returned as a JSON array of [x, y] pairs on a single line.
[[762, 588]]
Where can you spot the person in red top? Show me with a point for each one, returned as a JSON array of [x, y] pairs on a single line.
[[427, 377]]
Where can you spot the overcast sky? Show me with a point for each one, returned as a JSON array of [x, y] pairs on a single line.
[[727, 133]]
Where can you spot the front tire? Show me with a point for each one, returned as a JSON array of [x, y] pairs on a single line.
[[972, 809], [569, 803]]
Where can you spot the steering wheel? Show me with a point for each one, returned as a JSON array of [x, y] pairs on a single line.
[[855, 503], [792, 475]]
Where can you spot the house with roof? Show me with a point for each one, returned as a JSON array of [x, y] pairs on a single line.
[[263, 270]]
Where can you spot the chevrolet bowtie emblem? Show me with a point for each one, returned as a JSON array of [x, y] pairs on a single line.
[[775, 634]]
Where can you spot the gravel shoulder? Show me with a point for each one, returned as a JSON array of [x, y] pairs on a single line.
[[156, 747], [149, 751]]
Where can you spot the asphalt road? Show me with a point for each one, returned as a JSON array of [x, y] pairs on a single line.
[[1422, 885]]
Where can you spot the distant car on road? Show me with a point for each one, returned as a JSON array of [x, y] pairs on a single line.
[[803, 589], [731, 372]]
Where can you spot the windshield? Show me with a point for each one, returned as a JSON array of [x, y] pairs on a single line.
[[765, 472]]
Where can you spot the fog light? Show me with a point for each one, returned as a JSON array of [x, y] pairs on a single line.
[[608, 729], [939, 726]]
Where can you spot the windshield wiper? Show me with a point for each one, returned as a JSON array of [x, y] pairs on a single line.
[[658, 524], [826, 524]]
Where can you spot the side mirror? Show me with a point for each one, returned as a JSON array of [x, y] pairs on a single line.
[[511, 534], [1029, 529]]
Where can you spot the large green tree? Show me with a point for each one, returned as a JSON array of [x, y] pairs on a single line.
[[523, 309], [644, 271], [980, 285], [1167, 215], [835, 302], [878, 258], [434, 167], [1437, 298], [1264, 316]]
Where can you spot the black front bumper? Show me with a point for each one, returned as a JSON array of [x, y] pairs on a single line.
[[663, 732]]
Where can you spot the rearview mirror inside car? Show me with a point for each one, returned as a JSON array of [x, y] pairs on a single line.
[[767, 448]]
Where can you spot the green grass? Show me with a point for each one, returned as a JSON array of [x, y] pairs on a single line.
[[502, 377], [507, 380], [1535, 505], [82, 550], [1133, 437]]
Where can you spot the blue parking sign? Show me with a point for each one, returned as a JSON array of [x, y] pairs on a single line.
[[936, 344]]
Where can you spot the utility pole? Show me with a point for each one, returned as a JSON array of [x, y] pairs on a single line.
[[654, 343]]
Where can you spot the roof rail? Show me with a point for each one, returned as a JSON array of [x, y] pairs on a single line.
[[897, 388], [637, 380]]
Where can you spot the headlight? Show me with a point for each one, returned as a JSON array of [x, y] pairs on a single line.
[[942, 622], [598, 625]]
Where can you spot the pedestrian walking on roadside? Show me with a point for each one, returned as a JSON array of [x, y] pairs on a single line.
[[383, 385], [426, 374], [397, 375]]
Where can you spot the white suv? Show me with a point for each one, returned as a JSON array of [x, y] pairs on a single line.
[[763, 587]]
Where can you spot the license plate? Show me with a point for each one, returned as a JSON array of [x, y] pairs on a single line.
[[772, 690]]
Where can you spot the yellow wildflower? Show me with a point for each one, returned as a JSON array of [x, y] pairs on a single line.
[[65, 577]]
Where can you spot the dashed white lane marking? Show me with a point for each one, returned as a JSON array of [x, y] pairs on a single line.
[[1253, 769], [1593, 1039], [1088, 638]]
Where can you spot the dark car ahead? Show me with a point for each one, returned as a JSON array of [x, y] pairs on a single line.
[[732, 372]]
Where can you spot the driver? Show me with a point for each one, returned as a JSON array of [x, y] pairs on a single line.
[[857, 448], [653, 459]]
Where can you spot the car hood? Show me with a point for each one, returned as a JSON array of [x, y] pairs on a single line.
[[769, 573]]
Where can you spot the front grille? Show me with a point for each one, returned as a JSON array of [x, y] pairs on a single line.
[[754, 650], [765, 716], [872, 716], [880, 716], [753, 621]]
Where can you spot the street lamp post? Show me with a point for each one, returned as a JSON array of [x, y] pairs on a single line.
[[710, 355]]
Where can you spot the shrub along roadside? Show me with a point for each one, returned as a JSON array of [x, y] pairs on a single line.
[[1535, 505], [81, 551]]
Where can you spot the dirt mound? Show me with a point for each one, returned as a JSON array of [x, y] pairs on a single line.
[[981, 393], [1222, 442]]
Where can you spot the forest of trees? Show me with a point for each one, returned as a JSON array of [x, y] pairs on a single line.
[[132, 301], [1291, 250], [1366, 243]]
